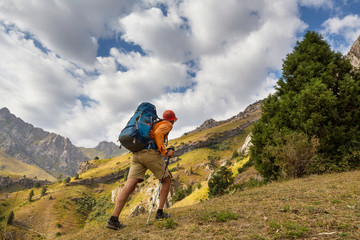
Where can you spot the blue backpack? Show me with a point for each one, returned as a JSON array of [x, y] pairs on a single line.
[[135, 136]]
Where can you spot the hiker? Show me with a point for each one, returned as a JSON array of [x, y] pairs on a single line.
[[148, 158]]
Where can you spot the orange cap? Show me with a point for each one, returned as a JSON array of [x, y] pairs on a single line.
[[169, 115]]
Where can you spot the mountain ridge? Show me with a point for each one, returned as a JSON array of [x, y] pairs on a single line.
[[52, 152]]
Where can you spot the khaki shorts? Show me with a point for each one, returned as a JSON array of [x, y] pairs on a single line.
[[147, 159]]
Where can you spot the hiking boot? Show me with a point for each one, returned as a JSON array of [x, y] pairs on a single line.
[[162, 215], [114, 224]]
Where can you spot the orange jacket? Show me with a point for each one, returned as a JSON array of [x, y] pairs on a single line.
[[159, 133]]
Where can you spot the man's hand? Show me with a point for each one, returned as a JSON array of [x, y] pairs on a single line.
[[170, 152]]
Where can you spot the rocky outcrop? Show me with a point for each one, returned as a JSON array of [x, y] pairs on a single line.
[[354, 53], [85, 166], [245, 148], [53, 153]]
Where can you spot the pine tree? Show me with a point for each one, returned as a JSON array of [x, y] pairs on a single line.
[[31, 194], [10, 218], [318, 95]]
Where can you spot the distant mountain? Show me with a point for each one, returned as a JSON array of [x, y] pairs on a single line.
[[104, 150], [49, 151]]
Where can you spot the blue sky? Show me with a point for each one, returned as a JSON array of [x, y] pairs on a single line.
[[80, 68]]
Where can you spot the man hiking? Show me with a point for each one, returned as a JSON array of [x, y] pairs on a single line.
[[148, 158]]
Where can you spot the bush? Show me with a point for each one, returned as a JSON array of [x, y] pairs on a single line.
[[181, 194], [294, 152], [31, 194], [37, 185], [67, 180], [43, 190], [168, 223], [99, 210], [85, 205], [76, 177], [126, 175], [220, 181], [10, 218], [235, 154]]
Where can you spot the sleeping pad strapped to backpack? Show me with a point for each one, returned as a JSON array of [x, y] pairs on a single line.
[[135, 136]]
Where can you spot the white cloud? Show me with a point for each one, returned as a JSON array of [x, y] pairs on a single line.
[[346, 28], [34, 85], [234, 46], [67, 27]]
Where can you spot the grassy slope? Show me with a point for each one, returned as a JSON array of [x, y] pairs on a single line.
[[10, 166], [317, 207]]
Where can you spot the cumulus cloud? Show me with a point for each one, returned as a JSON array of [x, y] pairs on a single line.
[[69, 28], [346, 28], [34, 84]]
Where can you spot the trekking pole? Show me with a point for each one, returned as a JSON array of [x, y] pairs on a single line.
[[158, 191]]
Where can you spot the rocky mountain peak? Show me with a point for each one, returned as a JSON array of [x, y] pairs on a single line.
[[354, 53], [52, 152]]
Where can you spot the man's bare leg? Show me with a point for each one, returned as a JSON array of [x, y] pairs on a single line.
[[124, 195], [164, 191]]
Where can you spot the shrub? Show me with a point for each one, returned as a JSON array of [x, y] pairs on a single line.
[[43, 190], [181, 194], [146, 176], [76, 177], [225, 216], [100, 208], [126, 175], [10, 218], [67, 180], [168, 223], [31, 194], [294, 153], [37, 185], [235, 154], [85, 205], [220, 181]]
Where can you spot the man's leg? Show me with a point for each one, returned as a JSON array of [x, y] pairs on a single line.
[[113, 222], [164, 191], [124, 195]]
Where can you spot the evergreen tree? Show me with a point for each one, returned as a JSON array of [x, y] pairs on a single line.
[[43, 190], [31, 194], [220, 181], [10, 218], [317, 95]]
